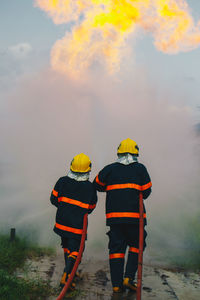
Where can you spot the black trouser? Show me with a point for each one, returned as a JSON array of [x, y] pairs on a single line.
[[120, 237], [71, 248]]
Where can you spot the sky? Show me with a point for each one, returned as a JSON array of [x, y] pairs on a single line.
[[46, 118]]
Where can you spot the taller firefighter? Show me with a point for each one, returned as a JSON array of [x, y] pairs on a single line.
[[74, 196], [122, 181]]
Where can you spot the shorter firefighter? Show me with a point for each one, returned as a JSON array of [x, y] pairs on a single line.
[[123, 181], [74, 196]]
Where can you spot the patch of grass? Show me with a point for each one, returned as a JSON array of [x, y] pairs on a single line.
[[13, 288], [73, 294], [38, 252], [13, 256]]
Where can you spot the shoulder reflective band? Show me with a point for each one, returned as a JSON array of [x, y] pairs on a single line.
[[55, 193], [74, 202], [99, 182], [70, 229], [132, 249], [116, 255], [128, 186], [123, 215]]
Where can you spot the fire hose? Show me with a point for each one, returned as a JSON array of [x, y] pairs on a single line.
[[141, 244], [78, 259]]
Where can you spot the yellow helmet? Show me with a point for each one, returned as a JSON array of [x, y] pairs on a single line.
[[128, 146], [81, 163]]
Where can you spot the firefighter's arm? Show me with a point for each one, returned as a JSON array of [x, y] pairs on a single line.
[[146, 193], [100, 182], [54, 195], [93, 202], [145, 183]]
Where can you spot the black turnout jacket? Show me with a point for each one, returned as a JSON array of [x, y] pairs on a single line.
[[73, 199], [122, 184]]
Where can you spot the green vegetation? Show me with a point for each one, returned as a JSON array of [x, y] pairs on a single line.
[[73, 294], [176, 244], [192, 244], [13, 288], [12, 256]]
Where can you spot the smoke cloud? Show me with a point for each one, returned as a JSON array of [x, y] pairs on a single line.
[[49, 119]]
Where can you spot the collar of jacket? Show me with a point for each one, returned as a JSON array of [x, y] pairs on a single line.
[[78, 176], [127, 159]]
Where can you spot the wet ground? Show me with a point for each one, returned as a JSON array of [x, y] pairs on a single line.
[[95, 282]]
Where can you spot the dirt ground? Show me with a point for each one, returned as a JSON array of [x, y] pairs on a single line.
[[95, 283]]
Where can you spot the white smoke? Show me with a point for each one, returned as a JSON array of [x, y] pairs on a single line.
[[49, 119]]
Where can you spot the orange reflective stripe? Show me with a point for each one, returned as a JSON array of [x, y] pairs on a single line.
[[146, 186], [66, 250], [55, 193], [123, 215], [123, 186], [99, 182], [132, 249], [128, 186], [116, 255], [70, 229], [74, 253], [74, 202], [91, 206]]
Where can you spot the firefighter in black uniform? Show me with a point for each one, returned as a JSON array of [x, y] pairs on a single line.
[[73, 195], [123, 181]]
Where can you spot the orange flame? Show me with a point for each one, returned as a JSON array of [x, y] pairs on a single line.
[[102, 27]]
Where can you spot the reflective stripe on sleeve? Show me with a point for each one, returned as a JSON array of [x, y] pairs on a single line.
[[99, 182], [132, 249], [146, 186], [128, 186], [70, 229], [123, 215], [55, 193], [116, 255]]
